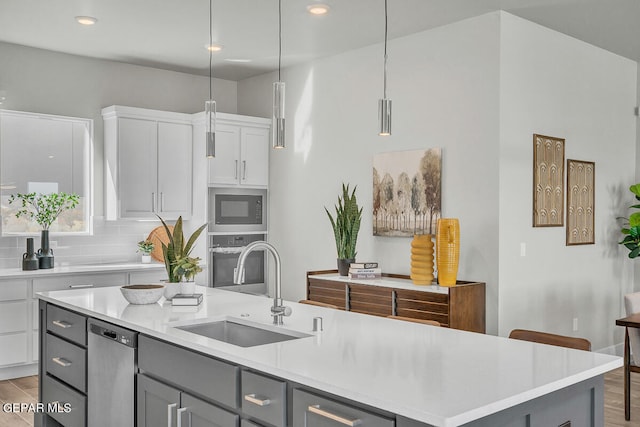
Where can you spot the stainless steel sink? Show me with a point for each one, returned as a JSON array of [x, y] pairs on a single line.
[[241, 334]]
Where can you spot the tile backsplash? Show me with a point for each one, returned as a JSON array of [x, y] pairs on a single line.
[[111, 242]]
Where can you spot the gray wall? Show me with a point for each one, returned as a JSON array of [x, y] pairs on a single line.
[[444, 87], [48, 82], [479, 89]]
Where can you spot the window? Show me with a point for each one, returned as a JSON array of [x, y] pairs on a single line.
[[45, 154]]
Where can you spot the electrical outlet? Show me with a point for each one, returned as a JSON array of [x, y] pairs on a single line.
[[575, 324]]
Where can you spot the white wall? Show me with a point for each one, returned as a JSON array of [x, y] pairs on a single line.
[[555, 85], [444, 87], [55, 83]]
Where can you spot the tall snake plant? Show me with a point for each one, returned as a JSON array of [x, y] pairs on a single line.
[[346, 224]]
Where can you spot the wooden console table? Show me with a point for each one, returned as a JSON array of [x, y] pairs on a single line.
[[458, 307]]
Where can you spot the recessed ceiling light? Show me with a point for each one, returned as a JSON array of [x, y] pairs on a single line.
[[318, 9], [86, 20], [213, 47], [237, 60]]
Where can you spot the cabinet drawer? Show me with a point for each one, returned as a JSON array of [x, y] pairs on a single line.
[[264, 398], [13, 317], [154, 276], [403, 294], [328, 292], [314, 411], [13, 349], [13, 290], [189, 370], [78, 281], [67, 324], [55, 391], [66, 361], [247, 423]]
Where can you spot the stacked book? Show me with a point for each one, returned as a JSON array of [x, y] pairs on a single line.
[[364, 270], [186, 299]]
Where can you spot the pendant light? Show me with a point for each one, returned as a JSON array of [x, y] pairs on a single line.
[[277, 126], [210, 105], [384, 104]]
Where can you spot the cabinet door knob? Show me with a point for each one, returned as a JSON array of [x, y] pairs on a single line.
[[315, 409], [256, 400], [170, 408], [61, 324], [61, 361]]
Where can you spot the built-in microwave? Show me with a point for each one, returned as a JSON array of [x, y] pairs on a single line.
[[233, 210]]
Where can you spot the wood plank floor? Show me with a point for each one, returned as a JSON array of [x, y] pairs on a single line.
[[26, 390], [18, 390]]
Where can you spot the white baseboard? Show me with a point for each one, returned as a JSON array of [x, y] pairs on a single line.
[[18, 371]]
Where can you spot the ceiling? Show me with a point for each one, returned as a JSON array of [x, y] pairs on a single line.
[[172, 35]]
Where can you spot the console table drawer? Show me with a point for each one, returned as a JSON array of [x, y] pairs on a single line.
[[190, 370], [310, 409], [66, 361], [264, 398], [67, 324], [328, 292]]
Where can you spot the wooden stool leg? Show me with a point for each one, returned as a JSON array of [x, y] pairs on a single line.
[[627, 376]]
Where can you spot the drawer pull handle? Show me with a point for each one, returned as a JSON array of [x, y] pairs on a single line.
[[62, 361], [62, 324], [315, 409], [88, 285], [179, 413], [256, 400], [170, 413]]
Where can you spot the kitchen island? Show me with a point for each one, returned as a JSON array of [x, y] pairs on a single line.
[[403, 373]]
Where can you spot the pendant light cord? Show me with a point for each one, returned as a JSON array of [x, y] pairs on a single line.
[[280, 37], [210, 46], [385, 51]]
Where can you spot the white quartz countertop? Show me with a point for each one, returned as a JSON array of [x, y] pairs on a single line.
[[435, 375], [387, 282], [7, 273]]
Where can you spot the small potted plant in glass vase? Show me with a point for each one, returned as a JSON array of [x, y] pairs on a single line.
[[145, 247], [44, 209]]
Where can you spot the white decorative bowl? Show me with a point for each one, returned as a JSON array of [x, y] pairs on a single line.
[[142, 294]]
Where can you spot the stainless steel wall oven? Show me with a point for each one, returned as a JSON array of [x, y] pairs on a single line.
[[224, 250]]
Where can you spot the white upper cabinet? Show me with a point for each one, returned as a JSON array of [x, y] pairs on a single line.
[[148, 163], [242, 152]]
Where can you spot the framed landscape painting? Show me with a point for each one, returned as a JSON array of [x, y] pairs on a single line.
[[407, 192]]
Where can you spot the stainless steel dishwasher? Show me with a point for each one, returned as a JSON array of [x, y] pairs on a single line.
[[111, 369]]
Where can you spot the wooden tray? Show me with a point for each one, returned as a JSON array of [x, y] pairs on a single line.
[[159, 236]]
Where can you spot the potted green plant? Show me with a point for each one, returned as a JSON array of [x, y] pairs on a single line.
[[145, 247], [44, 209], [189, 267], [177, 249], [346, 226], [631, 229]]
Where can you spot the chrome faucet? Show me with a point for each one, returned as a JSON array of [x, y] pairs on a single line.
[[277, 310]]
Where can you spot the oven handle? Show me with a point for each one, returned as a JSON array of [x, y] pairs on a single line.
[[227, 250]]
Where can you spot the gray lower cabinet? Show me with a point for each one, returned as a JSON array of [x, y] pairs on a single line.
[[162, 405], [63, 367]]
